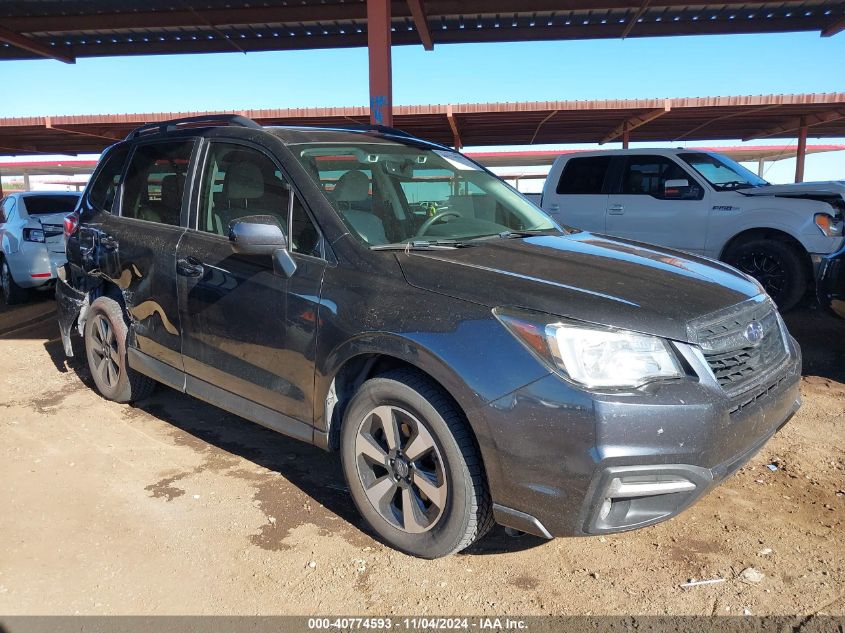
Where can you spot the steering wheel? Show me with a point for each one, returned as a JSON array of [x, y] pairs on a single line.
[[435, 218]]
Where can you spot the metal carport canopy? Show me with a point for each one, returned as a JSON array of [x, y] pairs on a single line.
[[677, 120], [69, 29]]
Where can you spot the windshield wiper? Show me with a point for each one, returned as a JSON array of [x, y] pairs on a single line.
[[513, 234], [418, 245], [735, 184]]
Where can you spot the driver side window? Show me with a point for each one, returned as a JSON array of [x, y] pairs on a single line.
[[647, 175]]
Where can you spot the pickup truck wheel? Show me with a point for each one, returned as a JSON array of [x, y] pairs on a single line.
[[776, 265], [413, 467], [12, 292], [105, 347]]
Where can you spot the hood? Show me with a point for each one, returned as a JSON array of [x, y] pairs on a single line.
[[584, 276], [832, 191]]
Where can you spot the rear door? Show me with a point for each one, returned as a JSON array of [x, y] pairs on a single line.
[[248, 329], [136, 246], [579, 198], [639, 210]]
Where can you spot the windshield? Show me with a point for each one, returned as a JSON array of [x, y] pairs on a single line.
[[391, 193], [42, 205], [721, 172]]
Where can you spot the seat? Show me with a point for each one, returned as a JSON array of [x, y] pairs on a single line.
[[243, 185], [353, 201], [171, 198]]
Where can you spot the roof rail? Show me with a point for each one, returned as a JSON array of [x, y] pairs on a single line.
[[384, 129], [165, 127]]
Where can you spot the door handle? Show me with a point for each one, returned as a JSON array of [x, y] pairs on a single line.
[[189, 267], [554, 207], [616, 209]]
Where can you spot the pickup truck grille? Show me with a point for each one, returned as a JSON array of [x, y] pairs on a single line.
[[737, 362]]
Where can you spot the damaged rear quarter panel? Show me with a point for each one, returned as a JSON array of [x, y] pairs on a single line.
[[133, 261]]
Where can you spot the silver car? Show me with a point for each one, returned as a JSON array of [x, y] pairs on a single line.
[[32, 240]]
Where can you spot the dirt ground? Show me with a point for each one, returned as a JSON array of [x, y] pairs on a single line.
[[175, 507]]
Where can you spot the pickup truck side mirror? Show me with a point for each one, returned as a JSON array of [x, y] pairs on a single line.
[[262, 235], [680, 189]]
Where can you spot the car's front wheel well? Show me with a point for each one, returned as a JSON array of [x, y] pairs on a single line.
[[348, 381], [768, 234]]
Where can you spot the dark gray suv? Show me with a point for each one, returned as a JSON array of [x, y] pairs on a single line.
[[388, 298]]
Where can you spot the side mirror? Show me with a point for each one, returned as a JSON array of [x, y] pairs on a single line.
[[679, 189], [262, 235]]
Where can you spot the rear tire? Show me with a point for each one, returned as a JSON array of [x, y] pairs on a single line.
[[12, 292], [778, 266], [105, 346], [420, 486]]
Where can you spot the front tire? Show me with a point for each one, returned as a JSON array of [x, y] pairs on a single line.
[[776, 265], [105, 347], [413, 467], [12, 292]]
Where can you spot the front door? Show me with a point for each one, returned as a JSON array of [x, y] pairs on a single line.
[[247, 328], [639, 210]]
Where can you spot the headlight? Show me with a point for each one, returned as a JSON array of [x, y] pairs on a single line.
[[829, 225], [592, 356], [33, 235]]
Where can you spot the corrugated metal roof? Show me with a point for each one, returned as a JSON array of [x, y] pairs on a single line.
[[745, 117], [85, 28]]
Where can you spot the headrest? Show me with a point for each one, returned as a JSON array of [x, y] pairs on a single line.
[[243, 180], [353, 186], [171, 192]]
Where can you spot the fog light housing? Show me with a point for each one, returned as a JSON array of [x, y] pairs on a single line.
[[628, 497], [605, 508]]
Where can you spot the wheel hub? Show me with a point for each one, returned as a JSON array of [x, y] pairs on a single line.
[[401, 468]]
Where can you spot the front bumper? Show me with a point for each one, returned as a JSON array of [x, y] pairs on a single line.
[[562, 461], [830, 286]]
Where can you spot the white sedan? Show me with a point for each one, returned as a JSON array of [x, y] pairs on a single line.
[[32, 240]]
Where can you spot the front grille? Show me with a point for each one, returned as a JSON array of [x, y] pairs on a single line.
[[737, 363]]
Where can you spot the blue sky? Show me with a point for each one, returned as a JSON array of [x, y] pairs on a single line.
[[538, 71], [597, 69]]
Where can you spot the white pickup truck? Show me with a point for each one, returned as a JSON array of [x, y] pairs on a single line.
[[703, 203]]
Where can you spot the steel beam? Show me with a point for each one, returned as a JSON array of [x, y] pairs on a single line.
[[636, 121], [801, 152], [794, 124], [20, 41], [381, 72], [834, 28], [421, 23], [453, 124]]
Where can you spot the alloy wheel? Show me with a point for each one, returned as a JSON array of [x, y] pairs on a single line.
[[105, 351], [766, 268], [401, 469]]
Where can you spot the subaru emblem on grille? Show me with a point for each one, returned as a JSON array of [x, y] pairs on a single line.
[[754, 332]]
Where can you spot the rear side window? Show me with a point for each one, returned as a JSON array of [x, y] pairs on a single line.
[[155, 182], [104, 187], [37, 205], [5, 205], [584, 175]]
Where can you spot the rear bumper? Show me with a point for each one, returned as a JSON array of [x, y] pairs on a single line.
[[33, 265], [830, 286], [69, 303], [565, 462]]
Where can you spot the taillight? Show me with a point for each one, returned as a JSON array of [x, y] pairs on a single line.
[[70, 224], [33, 235]]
